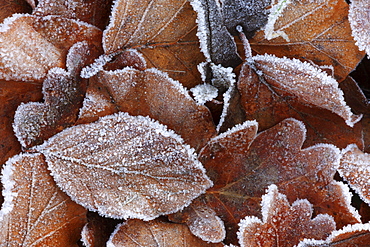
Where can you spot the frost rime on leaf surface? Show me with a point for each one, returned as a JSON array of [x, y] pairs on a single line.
[[283, 224], [359, 18], [138, 169], [309, 83]]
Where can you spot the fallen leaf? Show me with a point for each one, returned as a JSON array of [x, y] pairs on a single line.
[[357, 235], [318, 31], [10, 7], [202, 222], [63, 95], [354, 168], [139, 168], [152, 93], [163, 31], [360, 24], [283, 224], [50, 38], [95, 12], [242, 164], [35, 212], [278, 88], [154, 233]]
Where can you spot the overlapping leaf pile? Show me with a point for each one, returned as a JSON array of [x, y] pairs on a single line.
[[184, 123]]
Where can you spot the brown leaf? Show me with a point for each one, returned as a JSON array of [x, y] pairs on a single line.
[[50, 38], [95, 12], [284, 88], [360, 23], [283, 224], [163, 31], [242, 164], [318, 31], [63, 94], [202, 222], [35, 212], [354, 169], [152, 93], [10, 7], [155, 233], [138, 169], [357, 235]]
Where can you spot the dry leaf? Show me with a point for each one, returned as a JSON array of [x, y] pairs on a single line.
[[10, 7], [154, 233], [152, 93], [360, 23], [318, 31], [50, 38], [138, 169], [35, 212], [163, 31], [354, 168], [283, 88], [242, 164], [283, 224], [357, 235]]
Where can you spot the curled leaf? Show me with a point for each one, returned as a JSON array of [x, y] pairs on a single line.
[[125, 167]]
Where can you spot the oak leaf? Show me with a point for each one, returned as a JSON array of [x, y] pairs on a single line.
[[163, 31], [155, 233], [35, 211], [283, 224], [316, 30], [242, 164], [125, 167]]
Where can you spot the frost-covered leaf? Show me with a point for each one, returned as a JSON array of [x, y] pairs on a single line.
[[318, 31], [355, 169], [152, 93], [242, 164], [357, 235], [63, 94], [359, 18], [202, 222], [283, 224], [50, 38], [35, 212], [95, 12], [10, 7], [280, 88], [12, 94], [164, 31], [217, 44], [155, 233], [125, 167]]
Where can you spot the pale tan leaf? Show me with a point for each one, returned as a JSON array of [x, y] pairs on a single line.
[[125, 167], [35, 212]]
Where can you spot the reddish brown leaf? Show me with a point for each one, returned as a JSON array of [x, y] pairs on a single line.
[[138, 169], [357, 235], [135, 233], [10, 7], [95, 12], [242, 164], [318, 31], [50, 38], [283, 224], [163, 31], [288, 88], [152, 93], [35, 212]]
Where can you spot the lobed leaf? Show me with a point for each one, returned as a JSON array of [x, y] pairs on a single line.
[[125, 167], [35, 212]]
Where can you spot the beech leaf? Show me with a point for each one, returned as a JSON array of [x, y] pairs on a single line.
[[354, 168], [360, 23], [155, 233], [318, 31], [50, 36], [138, 169], [35, 211], [283, 224]]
